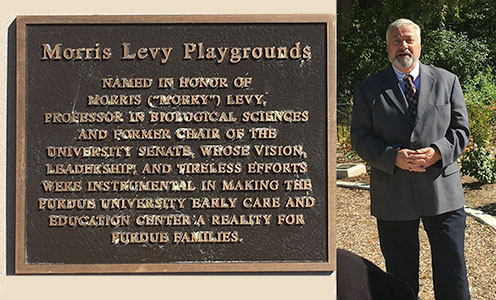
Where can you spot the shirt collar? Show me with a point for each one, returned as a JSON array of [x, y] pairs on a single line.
[[415, 72]]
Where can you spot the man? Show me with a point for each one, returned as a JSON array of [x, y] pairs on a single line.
[[410, 124]]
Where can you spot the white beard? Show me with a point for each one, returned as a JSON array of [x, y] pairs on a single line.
[[404, 62]]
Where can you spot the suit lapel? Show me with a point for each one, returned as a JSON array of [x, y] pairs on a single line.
[[427, 82], [393, 90]]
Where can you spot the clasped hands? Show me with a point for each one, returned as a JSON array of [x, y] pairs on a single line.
[[417, 160]]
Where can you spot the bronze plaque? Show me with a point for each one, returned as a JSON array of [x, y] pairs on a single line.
[[175, 144]]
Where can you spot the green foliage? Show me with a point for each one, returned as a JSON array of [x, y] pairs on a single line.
[[479, 160], [361, 52], [481, 123], [476, 18], [479, 163], [480, 96], [427, 13], [455, 52], [482, 88], [344, 139], [344, 150]]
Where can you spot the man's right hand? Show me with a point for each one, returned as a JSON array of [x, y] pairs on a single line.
[[405, 160]]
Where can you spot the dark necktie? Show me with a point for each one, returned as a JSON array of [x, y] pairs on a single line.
[[411, 94]]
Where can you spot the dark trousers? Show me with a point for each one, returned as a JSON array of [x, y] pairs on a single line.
[[400, 246]]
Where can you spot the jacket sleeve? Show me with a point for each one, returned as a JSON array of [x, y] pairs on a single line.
[[457, 136], [373, 150]]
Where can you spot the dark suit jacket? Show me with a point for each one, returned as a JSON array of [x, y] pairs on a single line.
[[382, 124]]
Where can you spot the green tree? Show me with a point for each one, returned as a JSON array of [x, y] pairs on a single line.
[[455, 52]]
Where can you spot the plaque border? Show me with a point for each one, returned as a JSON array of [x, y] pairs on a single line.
[[21, 267]]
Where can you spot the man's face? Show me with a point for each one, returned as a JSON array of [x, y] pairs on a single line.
[[403, 47]]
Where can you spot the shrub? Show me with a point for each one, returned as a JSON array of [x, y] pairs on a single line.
[[479, 163], [481, 122], [478, 160], [482, 87], [456, 52]]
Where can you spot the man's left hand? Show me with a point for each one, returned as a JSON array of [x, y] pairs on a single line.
[[425, 157]]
